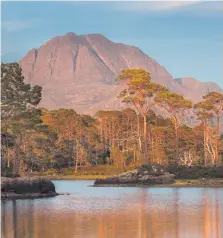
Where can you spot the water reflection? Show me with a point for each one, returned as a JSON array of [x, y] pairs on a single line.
[[125, 212]]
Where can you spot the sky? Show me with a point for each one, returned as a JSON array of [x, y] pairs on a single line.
[[185, 37]]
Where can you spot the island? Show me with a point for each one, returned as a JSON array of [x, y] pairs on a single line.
[[143, 175], [27, 187]]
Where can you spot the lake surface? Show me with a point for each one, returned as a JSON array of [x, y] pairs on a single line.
[[112, 212]]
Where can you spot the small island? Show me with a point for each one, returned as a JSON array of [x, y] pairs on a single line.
[[143, 175], [27, 187], [160, 176]]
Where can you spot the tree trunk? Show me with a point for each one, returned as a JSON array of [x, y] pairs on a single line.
[[3, 164], [16, 158], [134, 154], [205, 150], [146, 158], [77, 156], [15, 168], [217, 140], [102, 136], [76, 166], [138, 131], [177, 143]]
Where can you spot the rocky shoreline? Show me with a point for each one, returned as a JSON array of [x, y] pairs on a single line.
[[143, 175], [27, 188]]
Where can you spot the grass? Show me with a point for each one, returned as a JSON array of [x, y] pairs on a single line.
[[77, 177], [209, 182]]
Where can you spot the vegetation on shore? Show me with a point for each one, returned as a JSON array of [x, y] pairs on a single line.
[[208, 182], [38, 141]]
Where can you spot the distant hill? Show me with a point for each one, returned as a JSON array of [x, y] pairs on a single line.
[[79, 71]]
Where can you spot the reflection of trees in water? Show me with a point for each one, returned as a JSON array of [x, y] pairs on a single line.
[[163, 215], [176, 206], [3, 218], [211, 215], [217, 222], [207, 216], [148, 215], [143, 223], [17, 219]]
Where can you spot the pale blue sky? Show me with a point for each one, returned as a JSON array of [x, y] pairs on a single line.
[[185, 37]]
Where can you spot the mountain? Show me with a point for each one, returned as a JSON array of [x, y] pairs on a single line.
[[79, 71], [195, 89]]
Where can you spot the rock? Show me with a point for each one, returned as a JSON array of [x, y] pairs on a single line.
[[27, 187], [108, 181], [148, 175], [64, 193]]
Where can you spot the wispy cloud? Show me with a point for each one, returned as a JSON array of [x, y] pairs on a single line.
[[209, 6], [157, 5], [18, 25]]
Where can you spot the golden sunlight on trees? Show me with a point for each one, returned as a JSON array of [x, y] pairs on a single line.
[[37, 140], [211, 108], [140, 93], [177, 107]]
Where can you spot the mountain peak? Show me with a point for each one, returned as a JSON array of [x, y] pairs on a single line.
[[96, 35], [79, 71], [70, 34]]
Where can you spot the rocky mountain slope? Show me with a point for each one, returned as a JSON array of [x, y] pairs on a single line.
[[195, 89], [79, 71]]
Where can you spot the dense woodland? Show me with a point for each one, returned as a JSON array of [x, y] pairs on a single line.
[[34, 139]]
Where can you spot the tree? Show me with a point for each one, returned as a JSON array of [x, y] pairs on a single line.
[[81, 155], [210, 107], [139, 93], [6, 142], [176, 107], [18, 103], [17, 96], [214, 101], [118, 158], [204, 115], [69, 126]]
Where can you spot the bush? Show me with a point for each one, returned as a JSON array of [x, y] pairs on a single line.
[[195, 172]]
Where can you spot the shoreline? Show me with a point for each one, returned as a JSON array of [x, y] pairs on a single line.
[[184, 183], [178, 184]]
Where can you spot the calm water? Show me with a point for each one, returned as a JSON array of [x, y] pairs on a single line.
[[91, 212]]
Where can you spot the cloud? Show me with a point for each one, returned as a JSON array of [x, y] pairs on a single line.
[[156, 5], [209, 6], [17, 25], [196, 7]]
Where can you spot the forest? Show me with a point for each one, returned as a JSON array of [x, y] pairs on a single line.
[[156, 127]]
